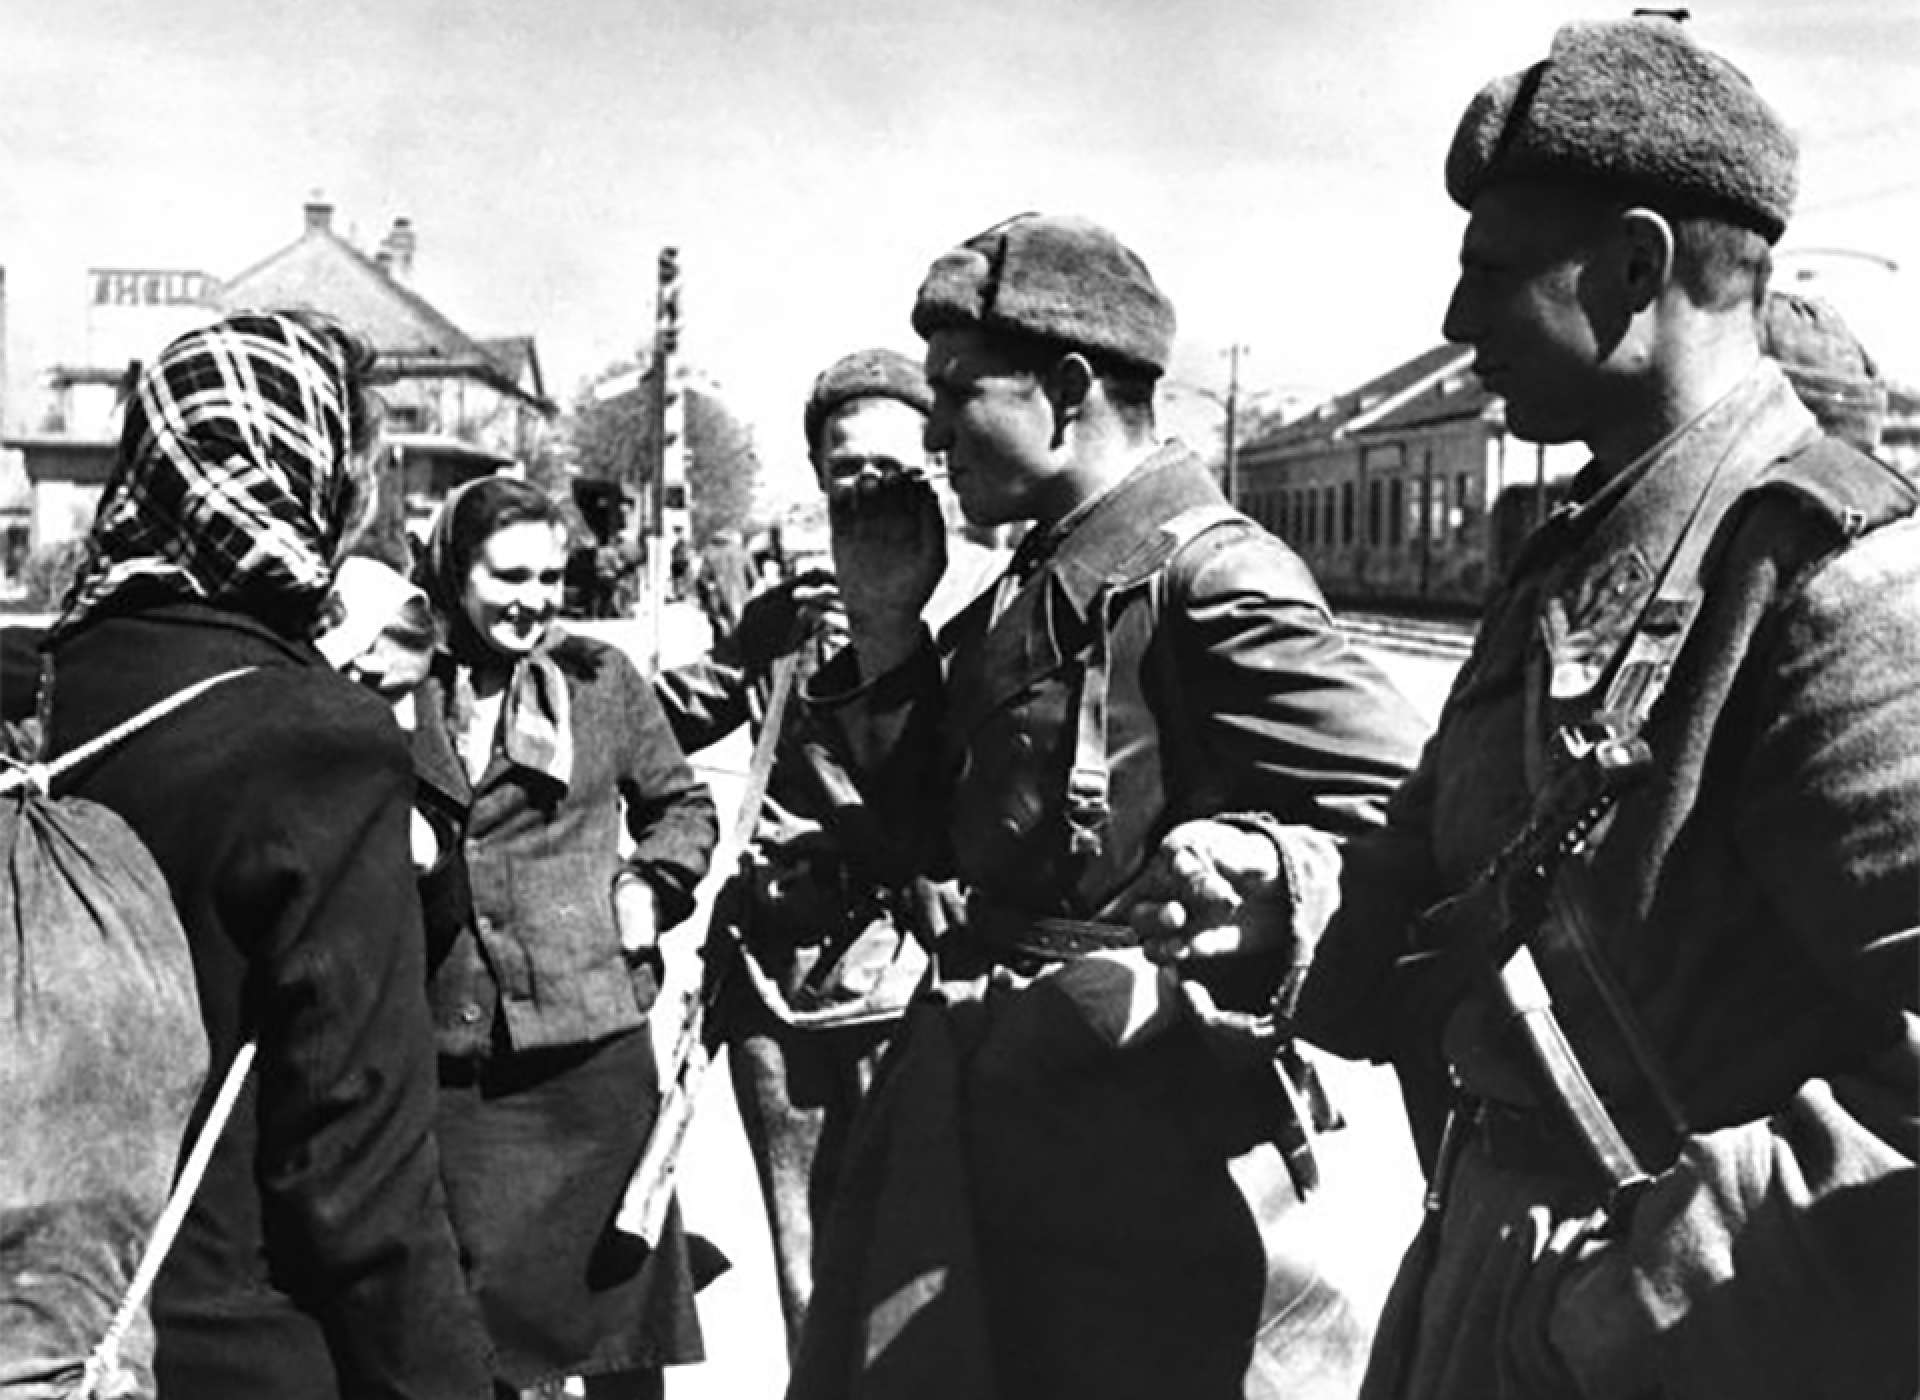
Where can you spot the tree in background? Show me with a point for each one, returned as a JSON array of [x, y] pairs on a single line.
[[605, 436]]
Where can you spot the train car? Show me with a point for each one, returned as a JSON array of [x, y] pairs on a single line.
[[1407, 492]]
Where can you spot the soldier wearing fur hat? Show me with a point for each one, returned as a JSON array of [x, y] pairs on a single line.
[[1073, 1182], [1649, 900], [823, 944]]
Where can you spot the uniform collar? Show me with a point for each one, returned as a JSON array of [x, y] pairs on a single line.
[[1083, 549]]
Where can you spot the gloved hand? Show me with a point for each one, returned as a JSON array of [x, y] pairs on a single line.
[[779, 618]]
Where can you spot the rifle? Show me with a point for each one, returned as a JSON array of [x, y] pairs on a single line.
[[1486, 928], [643, 1208]]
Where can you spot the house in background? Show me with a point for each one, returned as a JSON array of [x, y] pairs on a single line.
[[457, 406], [435, 377], [1406, 490]]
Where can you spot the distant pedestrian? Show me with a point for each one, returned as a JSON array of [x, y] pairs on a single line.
[[680, 565], [725, 580], [547, 747]]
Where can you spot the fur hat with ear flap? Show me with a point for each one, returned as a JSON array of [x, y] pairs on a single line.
[[1053, 277], [878, 373], [1635, 105]]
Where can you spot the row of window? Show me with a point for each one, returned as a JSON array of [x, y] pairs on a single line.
[[1398, 510]]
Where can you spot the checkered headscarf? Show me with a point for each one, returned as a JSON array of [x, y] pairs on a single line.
[[233, 479]]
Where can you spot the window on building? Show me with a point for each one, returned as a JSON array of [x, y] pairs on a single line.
[[1346, 513], [1327, 532], [1373, 511], [1396, 513], [405, 418]]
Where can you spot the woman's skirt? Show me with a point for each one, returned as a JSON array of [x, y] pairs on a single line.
[[536, 1149]]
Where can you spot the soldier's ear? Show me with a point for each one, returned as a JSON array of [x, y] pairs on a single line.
[[1068, 385], [1646, 252]]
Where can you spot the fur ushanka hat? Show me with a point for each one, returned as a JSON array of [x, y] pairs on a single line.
[[1053, 277], [1635, 104]]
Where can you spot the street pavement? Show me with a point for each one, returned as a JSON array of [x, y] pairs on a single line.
[[1365, 1215]]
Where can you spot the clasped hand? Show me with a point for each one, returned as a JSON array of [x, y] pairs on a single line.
[[1199, 896]]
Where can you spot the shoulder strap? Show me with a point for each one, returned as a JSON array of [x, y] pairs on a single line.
[[1854, 493], [1087, 811], [105, 1358], [1851, 490], [39, 777]]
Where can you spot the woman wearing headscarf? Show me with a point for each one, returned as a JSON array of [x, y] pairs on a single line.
[[546, 746], [317, 1260]]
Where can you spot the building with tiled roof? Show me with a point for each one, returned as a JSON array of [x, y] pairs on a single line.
[[457, 405], [435, 377]]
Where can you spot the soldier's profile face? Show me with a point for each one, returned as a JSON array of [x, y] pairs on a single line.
[[993, 424], [871, 437], [1525, 302]]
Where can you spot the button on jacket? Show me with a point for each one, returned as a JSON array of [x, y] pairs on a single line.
[[537, 961]]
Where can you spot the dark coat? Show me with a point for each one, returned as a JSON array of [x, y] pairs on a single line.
[[317, 1260], [1133, 1227], [1756, 901], [1241, 696]]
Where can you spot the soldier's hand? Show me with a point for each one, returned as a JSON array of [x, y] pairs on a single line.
[[1200, 892], [889, 551], [934, 909], [778, 619]]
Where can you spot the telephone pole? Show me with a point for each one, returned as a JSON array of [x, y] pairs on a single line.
[[666, 490], [1232, 474]]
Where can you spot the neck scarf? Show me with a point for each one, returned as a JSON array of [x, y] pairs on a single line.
[[536, 731], [233, 478]]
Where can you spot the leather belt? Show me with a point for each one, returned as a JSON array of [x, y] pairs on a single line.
[[1010, 933]]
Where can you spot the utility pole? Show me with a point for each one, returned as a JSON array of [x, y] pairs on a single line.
[[666, 491], [1232, 474]]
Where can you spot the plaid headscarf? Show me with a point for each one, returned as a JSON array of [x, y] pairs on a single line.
[[233, 482]]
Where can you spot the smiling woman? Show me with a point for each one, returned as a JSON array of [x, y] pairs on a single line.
[[534, 749]]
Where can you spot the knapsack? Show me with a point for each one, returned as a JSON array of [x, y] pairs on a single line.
[[102, 1057]]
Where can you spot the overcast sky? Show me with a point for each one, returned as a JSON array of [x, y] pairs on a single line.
[[1277, 163]]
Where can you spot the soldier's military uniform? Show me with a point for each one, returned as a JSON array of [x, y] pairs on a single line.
[[822, 939], [821, 942], [1151, 657], [1734, 959]]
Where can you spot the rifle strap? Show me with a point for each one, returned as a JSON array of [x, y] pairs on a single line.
[[1639, 679]]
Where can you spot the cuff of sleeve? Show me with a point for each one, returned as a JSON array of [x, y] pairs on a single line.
[[1304, 896], [672, 886], [839, 683]]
